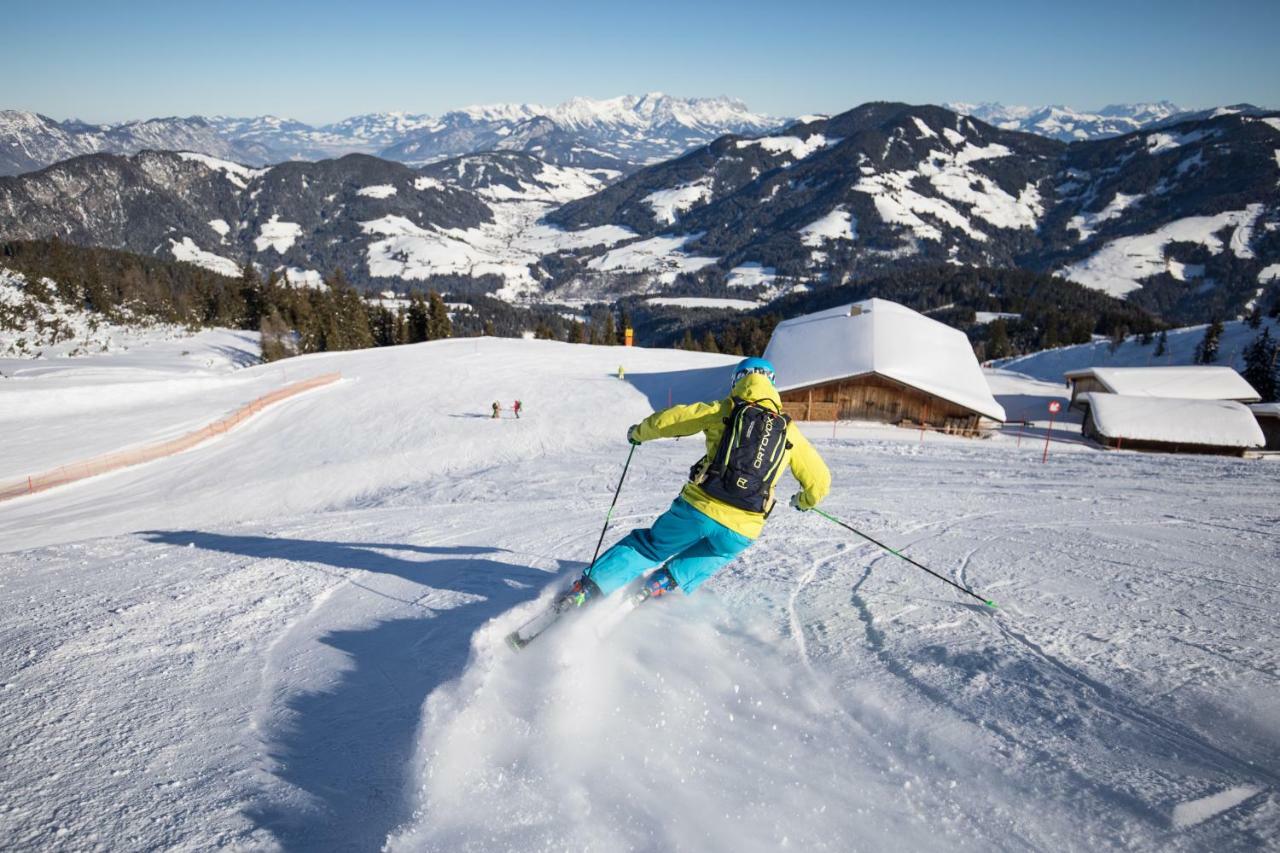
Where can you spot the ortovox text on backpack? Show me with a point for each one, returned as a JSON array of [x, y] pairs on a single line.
[[742, 471]]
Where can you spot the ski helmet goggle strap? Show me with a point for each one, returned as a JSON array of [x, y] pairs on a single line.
[[748, 371], [749, 366]]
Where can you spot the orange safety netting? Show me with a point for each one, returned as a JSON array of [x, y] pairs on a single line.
[[125, 458]]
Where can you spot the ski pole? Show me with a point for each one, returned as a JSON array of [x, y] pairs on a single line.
[[896, 553], [609, 515]]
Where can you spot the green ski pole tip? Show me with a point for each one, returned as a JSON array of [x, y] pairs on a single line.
[[991, 604]]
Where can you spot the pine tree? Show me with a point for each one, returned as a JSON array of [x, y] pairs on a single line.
[[610, 332], [418, 320], [1117, 338], [383, 322], [709, 342], [277, 339], [1207, 349], [1255, 316], [251, 293], [622, 330], [438, 323], [1260, 366], [998, 340], [688, 343], [1162, 343]]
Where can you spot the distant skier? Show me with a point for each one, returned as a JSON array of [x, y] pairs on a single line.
[[516, 408], [730, 493], [622, 374], [497, 409]]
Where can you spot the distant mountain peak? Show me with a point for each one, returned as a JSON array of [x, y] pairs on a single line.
[[1069, 124]]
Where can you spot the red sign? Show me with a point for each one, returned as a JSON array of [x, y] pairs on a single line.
[[1054, 407]]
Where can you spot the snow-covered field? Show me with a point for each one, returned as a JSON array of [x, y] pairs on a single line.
[[290, 637], [1051, 364], [1119, 266]]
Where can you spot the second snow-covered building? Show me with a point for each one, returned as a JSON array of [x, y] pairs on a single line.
[[880, 361], [1171, 425], [1184, 382]]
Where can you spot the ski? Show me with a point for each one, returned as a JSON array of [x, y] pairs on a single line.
[[528, 632], [612, 614]]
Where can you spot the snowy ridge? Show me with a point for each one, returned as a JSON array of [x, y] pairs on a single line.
[[1071, 125], [630, 129]]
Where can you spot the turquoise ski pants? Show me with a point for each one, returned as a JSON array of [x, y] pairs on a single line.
[[695, 545]]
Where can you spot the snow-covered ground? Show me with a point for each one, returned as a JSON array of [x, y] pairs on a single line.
[[290, 638], [1051, 364], [703, 302], [1120, 266], [49, 337]]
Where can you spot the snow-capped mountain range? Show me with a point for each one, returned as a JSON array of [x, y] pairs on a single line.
[[1071, 125], [30, 141], [617, 133], [1185, 220]]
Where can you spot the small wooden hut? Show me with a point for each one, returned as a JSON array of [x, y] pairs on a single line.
[[1268, 417], [1182, 382], [1171, 425], [880, 361]]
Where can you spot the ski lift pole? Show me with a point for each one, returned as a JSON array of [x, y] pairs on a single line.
[[988, 602], [609, 515]]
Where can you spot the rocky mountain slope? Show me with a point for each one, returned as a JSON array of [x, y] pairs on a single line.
[[1184, 220], [470, 223], [29, 141]]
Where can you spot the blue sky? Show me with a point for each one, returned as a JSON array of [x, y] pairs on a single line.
[[320, 61]]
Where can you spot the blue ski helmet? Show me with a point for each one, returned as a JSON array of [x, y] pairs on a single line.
[[752, 365]]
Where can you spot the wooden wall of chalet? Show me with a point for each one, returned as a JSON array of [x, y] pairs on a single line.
[[875, 398], [1270, 430], [1086, 385]]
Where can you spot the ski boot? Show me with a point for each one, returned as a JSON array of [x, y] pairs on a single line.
[[583, 591], [658, 583]]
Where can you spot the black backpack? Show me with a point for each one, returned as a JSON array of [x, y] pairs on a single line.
[[742, 471]]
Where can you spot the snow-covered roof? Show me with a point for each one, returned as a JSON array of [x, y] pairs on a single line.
[[885, 338], [1213, 423], [1199, 382]]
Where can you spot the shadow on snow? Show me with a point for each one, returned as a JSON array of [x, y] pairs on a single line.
[[683, 386], [348, 747]]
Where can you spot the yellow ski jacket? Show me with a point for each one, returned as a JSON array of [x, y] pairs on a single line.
[[806, 465]]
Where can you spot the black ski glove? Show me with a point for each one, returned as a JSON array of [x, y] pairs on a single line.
[[797, 502], [632, 432]]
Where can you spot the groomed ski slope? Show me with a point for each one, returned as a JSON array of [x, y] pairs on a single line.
[[290, 638]]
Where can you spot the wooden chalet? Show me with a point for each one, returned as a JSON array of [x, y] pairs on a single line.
[[880, 361]]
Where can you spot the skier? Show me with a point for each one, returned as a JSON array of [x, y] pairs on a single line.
[[622, 374], [516, 408], [729, 495], [497, 409]]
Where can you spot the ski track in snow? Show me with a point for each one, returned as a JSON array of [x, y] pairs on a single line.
[[292, 638]]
